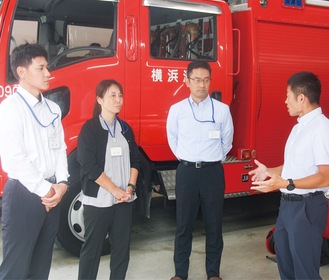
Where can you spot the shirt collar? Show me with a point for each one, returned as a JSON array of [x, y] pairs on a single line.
[[310, 116], [30, 99], [202, 103]]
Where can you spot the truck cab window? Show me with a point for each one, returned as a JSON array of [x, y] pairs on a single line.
[[22, 31], [70, 33], [81, 43]]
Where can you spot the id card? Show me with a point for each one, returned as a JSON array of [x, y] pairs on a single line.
[[54, 143], [213, 134], [116, 151]]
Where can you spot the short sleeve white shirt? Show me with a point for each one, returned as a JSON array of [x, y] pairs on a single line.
[[306, 148]]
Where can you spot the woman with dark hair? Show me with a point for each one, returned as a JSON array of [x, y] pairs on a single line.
[[109, 159]]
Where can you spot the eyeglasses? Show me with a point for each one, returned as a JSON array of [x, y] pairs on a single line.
[[198, 81]]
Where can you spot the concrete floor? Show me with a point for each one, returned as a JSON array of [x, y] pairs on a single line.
[[246, 224], [244, 257]]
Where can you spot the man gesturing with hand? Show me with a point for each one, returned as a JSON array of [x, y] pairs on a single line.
[[302, 179]]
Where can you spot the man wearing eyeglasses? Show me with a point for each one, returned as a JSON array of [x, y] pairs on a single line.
[[200, 134]]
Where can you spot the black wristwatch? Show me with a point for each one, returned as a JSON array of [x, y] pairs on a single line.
[[133, 187], [291, 185]]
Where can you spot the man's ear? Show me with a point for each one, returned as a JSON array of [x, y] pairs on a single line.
[[20, 71], [301, 97]]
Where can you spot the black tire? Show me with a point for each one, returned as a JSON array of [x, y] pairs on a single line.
[[270, 245], [70, 235]]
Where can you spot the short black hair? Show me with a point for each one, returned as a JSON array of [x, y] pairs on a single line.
[[306, 83], [23, 55], [197, 64]]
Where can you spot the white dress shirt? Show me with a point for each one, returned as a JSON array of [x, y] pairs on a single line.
[[200, 132], [29, 152], [306, 148]]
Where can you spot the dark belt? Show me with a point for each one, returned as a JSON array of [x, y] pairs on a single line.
[[199, 164], [298, 197]]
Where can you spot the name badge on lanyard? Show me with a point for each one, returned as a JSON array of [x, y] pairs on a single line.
[[54, 143], [116, 151], [213, 134]]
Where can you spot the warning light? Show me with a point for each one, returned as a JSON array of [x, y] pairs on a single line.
[[244, 154]]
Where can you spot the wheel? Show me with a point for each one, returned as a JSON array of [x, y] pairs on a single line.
[[71, 230], [270, 244]]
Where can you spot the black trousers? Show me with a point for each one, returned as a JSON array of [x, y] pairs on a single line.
[[298, 237], [194, 187], [115, 221], [28, 234]]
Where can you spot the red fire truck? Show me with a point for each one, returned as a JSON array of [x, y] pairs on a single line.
[[252, 46]]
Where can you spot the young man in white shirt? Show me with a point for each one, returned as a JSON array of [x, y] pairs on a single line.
[[302, 179], [33, 154]]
